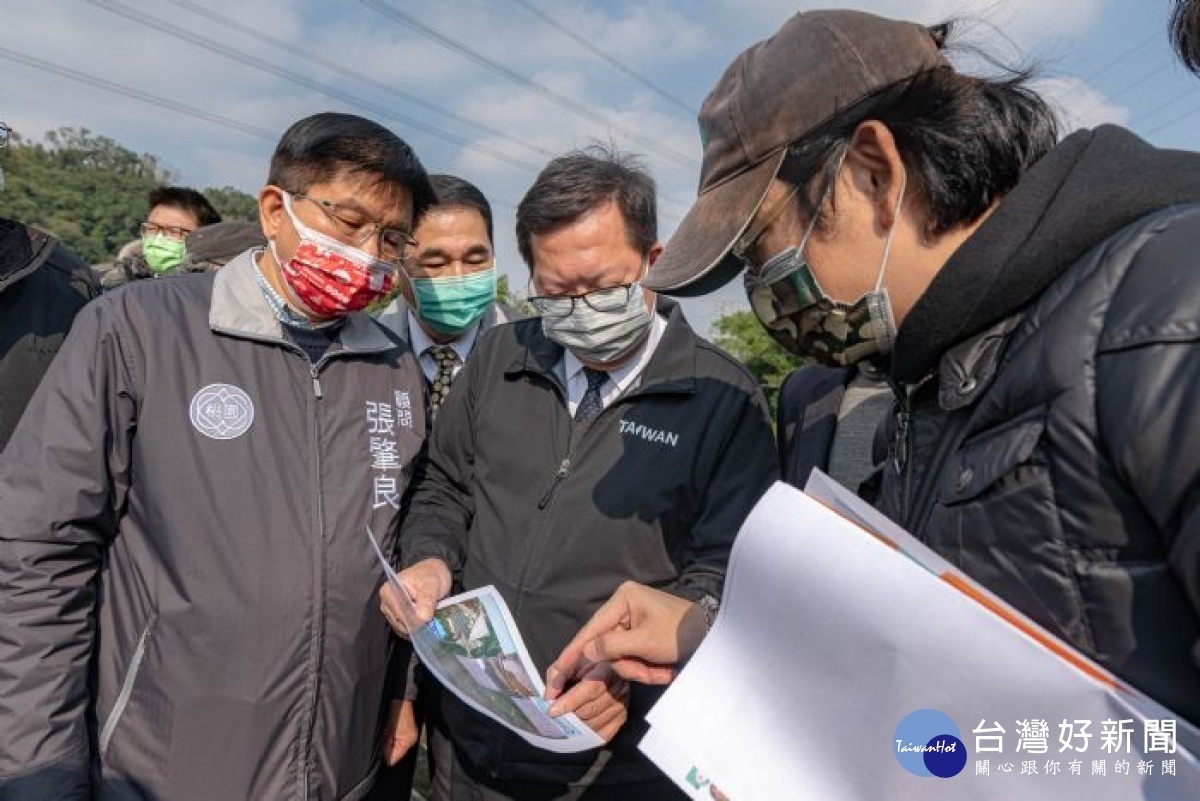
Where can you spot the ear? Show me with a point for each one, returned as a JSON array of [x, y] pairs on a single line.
[[877, 170], [270, 210], [653, 255]]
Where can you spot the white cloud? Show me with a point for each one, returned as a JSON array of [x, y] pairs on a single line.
[[1080, 105]]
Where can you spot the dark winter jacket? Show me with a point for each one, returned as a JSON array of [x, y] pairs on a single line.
[[1048, 441], [557, 514], [188, 600], [42, 286]]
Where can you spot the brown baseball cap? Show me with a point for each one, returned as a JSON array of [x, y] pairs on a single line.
[[817, 65]]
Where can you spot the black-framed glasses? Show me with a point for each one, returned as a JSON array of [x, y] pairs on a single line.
[[609, 299], [354, 228], [169, 231], [5, 135]]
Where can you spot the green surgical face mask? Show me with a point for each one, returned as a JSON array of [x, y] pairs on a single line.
[[451, 304], [162, 253]]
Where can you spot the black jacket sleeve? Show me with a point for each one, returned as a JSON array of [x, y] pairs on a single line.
[[63, 481], [1147, 399], [744, 465]]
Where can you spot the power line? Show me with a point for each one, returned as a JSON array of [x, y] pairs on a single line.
[[1180, 118], [570, 104], [594, 50], [315, 58], [136, 94], [1126, 89], [1168, 103], [301, 80], [214, 46], [1123, 56]]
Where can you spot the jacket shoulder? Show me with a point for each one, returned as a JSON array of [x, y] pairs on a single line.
[[1158, 294], [713, 362]]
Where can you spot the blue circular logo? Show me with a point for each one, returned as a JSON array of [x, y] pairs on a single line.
[[927, 743]]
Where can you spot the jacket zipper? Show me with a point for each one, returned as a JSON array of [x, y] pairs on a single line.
[[131, 674], [318, 628], [564, 470], [904, 446]]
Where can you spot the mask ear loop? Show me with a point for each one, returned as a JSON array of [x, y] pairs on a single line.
[[887, 243]]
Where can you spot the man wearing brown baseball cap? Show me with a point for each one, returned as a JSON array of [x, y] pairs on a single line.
[[1031, 301]]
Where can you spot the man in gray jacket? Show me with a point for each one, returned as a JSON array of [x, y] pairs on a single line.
[[186, 587]]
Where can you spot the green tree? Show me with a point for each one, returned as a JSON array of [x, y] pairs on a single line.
[[233, 204], [87, 190], [743, 337], [505, 295]]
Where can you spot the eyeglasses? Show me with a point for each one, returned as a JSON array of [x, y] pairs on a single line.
[[609, 299], [5, 135], [354, 228], [169, 231]]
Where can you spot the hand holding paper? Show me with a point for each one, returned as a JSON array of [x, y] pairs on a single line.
[[426, 582], [600, 698]]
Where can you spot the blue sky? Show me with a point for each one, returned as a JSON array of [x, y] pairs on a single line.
[[1103, 61]]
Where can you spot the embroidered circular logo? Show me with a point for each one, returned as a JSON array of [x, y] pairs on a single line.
[[222, 411]]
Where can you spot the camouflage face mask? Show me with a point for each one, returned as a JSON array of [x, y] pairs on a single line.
[[794, 309], [796, 312]]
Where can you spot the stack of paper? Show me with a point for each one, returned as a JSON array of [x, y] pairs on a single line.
[[850, 662]]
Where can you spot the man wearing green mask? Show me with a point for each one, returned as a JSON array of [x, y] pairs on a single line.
[[449, 299], [447, 303], [175, 212]]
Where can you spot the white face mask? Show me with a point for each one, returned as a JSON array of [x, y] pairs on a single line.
[[602, 336]]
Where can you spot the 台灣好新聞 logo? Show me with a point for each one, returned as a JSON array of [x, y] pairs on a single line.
[[927, 743]]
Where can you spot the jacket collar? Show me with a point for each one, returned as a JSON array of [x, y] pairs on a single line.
[[672, 368], [24, 249], [239, 309], [967, 369], [395, 317]]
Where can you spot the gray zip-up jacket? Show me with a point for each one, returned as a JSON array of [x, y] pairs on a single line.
[[187, 594]]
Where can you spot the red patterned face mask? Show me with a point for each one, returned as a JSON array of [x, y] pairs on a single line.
[[331, 278]]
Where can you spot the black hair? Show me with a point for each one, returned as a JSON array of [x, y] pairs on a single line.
[[450, 190], [965, 141], [1185, 33], [185, 199], [570, 186], [319, 148]]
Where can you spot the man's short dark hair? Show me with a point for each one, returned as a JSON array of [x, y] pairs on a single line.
[[965, 141], [1185, 33], [321, 147], [185, 199], [572, 185], [452, 191]]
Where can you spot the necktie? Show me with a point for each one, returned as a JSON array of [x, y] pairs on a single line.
[[445, 358], [591, 405]]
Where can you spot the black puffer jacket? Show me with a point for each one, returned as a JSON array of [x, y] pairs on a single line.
[[1048, 440], [42, 286]]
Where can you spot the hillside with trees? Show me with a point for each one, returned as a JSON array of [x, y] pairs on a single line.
[[90, 191]]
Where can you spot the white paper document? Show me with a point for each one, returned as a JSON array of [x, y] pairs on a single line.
[[473, 647], [850, 662]]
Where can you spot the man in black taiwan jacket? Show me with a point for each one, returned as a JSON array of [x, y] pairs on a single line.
[[601, 443]]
